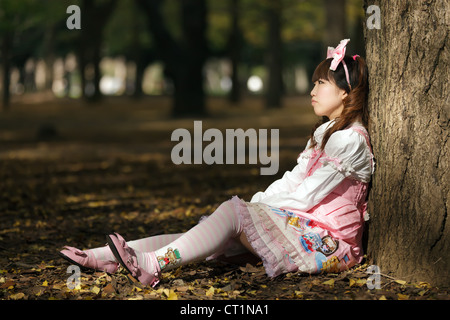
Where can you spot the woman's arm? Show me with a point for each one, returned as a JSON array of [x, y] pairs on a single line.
[[290, 180], [346, 155]]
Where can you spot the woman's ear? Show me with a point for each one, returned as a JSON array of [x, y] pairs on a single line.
[[344, 94]]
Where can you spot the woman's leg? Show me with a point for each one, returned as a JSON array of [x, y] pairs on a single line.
[[145, 245], [208, 237]]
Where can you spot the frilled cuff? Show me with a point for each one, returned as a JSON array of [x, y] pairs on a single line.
[[341, 166]]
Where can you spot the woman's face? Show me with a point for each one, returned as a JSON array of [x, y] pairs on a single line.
[[327, 99]]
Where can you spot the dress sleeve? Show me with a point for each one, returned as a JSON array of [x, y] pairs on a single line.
[[290, 180], [345, 155]]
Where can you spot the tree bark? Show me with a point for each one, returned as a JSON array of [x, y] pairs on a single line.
[[408, 61]]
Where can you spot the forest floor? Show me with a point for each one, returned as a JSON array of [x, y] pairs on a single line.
[[71, 173]]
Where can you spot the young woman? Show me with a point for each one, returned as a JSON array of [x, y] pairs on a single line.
[[311, 220]]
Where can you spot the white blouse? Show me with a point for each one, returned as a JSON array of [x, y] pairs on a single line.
[[346, 154]]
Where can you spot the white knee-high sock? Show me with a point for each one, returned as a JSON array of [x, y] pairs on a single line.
[[198, 243]]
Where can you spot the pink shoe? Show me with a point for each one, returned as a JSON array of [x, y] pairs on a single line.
[[127, 258], [81, 259]]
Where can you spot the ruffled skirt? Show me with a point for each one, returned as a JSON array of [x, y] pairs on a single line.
[[310, 243]]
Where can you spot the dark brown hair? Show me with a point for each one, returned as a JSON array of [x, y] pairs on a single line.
[[355, 104]]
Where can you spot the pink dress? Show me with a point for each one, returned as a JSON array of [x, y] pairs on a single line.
[[311, 220]]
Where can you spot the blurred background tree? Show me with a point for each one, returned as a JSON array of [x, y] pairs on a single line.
[[188, 50]]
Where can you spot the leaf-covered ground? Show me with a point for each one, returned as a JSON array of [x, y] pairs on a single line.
[[72, 173]]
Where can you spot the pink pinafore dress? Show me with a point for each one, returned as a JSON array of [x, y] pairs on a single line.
[[326, 238]]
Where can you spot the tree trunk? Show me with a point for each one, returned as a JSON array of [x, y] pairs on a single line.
[[95, 17], [189, 86], [274, 63], [183, 61], [49, 55], [234, 51], [408, 60], [6, 64], [335, 22]]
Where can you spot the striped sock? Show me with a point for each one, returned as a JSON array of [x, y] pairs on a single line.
[[203, 240], [144, 245]]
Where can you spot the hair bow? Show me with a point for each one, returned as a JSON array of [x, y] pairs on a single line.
[[338, 54]]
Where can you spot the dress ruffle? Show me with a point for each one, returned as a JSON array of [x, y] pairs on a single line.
[[289, 242], [265, 238]]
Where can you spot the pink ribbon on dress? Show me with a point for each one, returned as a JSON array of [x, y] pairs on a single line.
[[338, 55]]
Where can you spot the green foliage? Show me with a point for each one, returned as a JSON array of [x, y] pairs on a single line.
[[18, 16], [302, 21], [127, 30]]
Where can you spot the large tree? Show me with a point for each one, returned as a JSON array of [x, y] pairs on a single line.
[[22, 36], [184, 59], [274, 55], [408, 60], [95, 15]]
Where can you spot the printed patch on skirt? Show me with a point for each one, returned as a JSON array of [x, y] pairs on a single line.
[[298, 223], [312, 242]]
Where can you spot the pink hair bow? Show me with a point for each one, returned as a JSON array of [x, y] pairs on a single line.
[[338, 54]]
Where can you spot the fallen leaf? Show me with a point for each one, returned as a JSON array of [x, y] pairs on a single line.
[[166, 292], [95, 290], [170, 294], [402, 296], [182, 288], [423, 285], [58, 286], [402, 282], [7, 284], [210, 292], [361, 282], [137, 289], [329, 282], [249, 268], [352, 282], [421, 293], [17, 296], [109, 289], [45, 283]]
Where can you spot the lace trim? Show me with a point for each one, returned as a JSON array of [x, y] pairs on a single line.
[[342, 167], [338, 165]]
